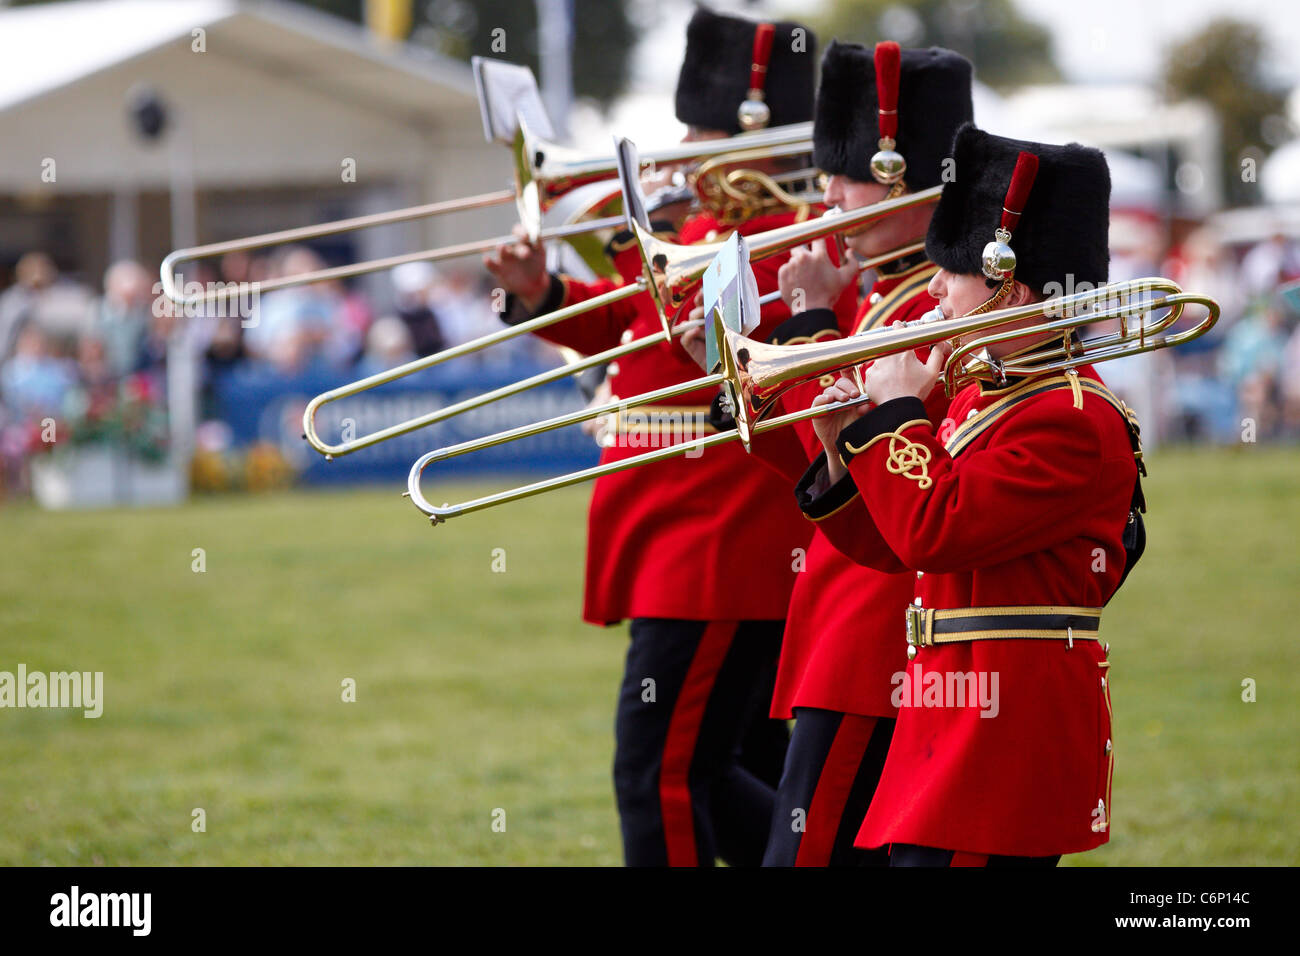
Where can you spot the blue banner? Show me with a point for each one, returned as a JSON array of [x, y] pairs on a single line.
[[260, 404]]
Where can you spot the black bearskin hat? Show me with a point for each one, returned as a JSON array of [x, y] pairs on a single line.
[[1063, 229], [934, 100], [714, 80]]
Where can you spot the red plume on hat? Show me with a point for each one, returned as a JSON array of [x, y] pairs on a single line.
[[754, 112], [887, 165], [999, 261]]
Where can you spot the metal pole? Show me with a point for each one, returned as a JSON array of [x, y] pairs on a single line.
[[555, 52], [182, 371]]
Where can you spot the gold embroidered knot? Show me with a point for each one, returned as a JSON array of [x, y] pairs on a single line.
[[906, 456]]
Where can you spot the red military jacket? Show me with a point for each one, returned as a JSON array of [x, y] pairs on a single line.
[[840, 647], [706, 537], [1030, 512]]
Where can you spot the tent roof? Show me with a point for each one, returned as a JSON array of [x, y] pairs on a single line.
[[48, 47]]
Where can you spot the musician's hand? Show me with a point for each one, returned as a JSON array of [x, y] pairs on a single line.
[[692, 340], [520, 267], [829, 426], [902, 375], [808, 280]]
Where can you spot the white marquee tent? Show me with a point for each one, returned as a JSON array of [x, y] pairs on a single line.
[[268, 102]]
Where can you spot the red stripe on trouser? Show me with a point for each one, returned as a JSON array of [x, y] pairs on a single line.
[[679, 746], [834, 783], [960, 858]]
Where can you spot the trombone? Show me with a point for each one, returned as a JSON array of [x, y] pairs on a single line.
[[754, 374], [671, 273], [543, 172]]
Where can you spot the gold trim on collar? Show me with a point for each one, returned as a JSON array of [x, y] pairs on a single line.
[[883, 311], [964, 433], [972, 428], [808, 339], [908, 273], [911, 283]]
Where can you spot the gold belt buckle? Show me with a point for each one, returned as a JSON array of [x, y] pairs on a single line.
[[915, 630]]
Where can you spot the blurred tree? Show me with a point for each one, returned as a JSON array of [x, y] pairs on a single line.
[[1007, 49], [1223, 65], [603, 41]]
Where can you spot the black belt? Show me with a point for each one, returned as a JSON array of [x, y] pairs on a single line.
[[926, 626]]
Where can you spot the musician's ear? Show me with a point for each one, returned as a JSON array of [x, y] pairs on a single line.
[[1021, 294]]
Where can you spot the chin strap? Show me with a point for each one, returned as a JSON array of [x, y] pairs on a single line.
[[996, 299], [989, 304]]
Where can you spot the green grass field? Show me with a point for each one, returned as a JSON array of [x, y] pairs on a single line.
[[479, 690]]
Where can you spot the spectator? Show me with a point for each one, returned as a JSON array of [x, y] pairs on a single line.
[[388, 344], [293, 323], [347, 335], [1251, 363], [94, 368], [34, 274], [413, 284], [63, 309], [33, 381], [125, 315], [1207, 266], [465, 307], [1268, 265]]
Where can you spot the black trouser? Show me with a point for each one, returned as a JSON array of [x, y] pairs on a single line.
[[694, 743], [906, 854], [831, 772]]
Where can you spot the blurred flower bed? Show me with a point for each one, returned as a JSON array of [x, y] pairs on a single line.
[[257, 467], [130, 415]]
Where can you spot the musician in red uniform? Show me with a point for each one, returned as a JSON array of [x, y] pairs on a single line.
[[1019, 524], [839, 653], [698, 551]]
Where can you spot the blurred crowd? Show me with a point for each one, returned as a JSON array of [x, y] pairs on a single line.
[[1241, 380], [95, 364], [79, 366]]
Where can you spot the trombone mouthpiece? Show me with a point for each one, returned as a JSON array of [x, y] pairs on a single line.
[[934, 315]]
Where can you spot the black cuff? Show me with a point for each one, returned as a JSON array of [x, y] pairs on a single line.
[[516, 313], [817, 502], [881, 420], [720, 420], [805, 326]]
